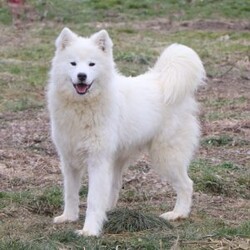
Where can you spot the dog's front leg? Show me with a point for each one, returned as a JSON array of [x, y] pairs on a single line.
[[72, 182], [100, 183]]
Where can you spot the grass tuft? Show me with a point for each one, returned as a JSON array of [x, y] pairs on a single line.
[[221, 179], [126, 220], [242, 230], [218, 141], [64, 236]]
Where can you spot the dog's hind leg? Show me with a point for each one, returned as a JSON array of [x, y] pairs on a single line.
[[183, 186], [72, 183], [171, 161]]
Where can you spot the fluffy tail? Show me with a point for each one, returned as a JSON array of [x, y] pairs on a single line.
[[180, 72]]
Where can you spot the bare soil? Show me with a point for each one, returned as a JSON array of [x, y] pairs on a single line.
[[169, 25]]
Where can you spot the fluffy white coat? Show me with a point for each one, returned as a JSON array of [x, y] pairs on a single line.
[[101, 120]]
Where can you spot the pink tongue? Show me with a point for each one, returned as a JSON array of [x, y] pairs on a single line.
[[81, 88]]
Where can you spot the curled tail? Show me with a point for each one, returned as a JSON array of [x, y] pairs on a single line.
[[180, 72]]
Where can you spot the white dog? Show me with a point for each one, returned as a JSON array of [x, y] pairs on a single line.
[[101, 119]]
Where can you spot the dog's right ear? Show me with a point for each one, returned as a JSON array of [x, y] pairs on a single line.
[[102, 40], [65, 38]]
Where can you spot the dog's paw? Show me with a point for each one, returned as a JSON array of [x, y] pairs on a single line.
[[86, 233], [173, 216], [63, 218]]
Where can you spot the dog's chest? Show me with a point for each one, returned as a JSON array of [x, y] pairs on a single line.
[[79, 132]]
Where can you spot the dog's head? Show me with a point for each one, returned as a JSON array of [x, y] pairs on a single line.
[[82, 66]]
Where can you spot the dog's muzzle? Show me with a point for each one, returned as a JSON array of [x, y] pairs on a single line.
[[82, 88]]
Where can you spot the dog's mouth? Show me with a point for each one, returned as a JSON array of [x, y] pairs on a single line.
[[82, 88]]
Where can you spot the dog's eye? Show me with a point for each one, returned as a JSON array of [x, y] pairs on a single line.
[[73, 63], [91, 64]]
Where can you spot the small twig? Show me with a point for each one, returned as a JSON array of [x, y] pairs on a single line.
[[227, 71], [176, 245], [233, 65], [198, 242]]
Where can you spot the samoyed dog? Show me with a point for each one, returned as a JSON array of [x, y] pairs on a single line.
[[100, 121]]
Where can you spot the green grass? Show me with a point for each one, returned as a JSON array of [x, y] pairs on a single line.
[[68, 240], [99, 11], [14, 197], [242, 230], [224, 140], [218, 141], [225, 178], [227, 102], [47, 202]]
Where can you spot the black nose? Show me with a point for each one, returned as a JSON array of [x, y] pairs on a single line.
[[82, 77]]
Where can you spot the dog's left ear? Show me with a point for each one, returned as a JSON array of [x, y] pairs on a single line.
[[102, 40]]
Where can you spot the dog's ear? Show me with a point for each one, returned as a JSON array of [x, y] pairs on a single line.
[[65, 38], [102, 40]]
